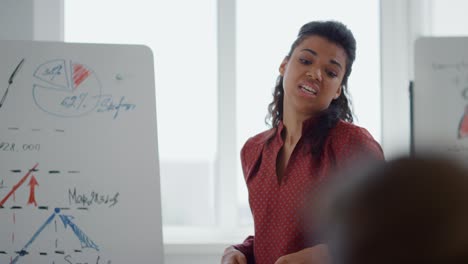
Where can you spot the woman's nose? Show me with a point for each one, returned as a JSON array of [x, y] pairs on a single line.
[[314, 74]]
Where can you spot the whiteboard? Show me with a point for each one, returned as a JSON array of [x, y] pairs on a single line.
[[440, 97], [79, 172]]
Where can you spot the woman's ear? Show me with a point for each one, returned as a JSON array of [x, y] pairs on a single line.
[[282, 67], [338, 93]]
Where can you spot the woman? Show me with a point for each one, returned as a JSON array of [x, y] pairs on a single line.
[[312, 134]]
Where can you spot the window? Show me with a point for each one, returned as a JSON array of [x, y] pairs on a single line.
[[184, 47], [449, 18], [183, 37]]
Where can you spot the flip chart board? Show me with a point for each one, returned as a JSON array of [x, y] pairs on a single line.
[[440, 97], [79, 172]]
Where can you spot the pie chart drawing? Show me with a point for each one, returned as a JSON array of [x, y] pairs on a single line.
[[66, 88]]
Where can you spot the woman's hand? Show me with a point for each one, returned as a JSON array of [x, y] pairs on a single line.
[[233, 256], [313, 255]]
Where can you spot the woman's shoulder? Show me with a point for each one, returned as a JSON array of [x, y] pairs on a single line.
[[254, 145], [252, 151], [348, 138], [350, 130], [261, 138]]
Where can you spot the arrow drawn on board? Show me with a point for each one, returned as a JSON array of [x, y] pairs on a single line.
[[32, 196], [2, 202], [10, 81], [86, 242], [32, 186]]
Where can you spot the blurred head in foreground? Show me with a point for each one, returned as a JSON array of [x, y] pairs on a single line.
[[408, 210]]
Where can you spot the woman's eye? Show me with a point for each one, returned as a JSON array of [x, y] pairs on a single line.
[[331, 74], [305, 61]]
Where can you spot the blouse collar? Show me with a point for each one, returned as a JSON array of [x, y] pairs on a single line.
[[307, 126]]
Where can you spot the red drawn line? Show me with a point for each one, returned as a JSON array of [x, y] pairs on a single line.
[[463, 128], [18, 185], [80, 78], [80, 73], [32, 196]]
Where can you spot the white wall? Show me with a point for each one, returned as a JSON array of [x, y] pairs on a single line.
[[402, 21], [48, 19], [16, 19], [31, 19]]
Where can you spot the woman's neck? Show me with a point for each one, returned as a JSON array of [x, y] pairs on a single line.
[[293, 125]]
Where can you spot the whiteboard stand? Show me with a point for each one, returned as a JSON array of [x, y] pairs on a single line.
[[440, 97], [79, 166]]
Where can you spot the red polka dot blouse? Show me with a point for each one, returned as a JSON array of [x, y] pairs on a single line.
[[278, 207]]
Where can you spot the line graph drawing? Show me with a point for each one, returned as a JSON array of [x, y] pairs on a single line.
[[23, 251], [69, 222], [16, 186], [75, 121], [86, 242]]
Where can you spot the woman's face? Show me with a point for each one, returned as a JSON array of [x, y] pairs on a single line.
[[312, 76]]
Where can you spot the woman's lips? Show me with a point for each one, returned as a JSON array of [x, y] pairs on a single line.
[[309, 89]]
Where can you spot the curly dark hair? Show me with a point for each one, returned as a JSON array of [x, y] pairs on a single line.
[[340, 108]]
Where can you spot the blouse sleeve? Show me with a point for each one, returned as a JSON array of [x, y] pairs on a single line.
[[247, 249], [246, 160], [249, 156]]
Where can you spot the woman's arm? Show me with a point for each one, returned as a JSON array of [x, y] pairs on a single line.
[[233, 256], [240, 254], [313, 255]]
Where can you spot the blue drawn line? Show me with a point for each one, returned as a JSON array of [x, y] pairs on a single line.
[[86, 242], [59, 70], [23, 250]]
